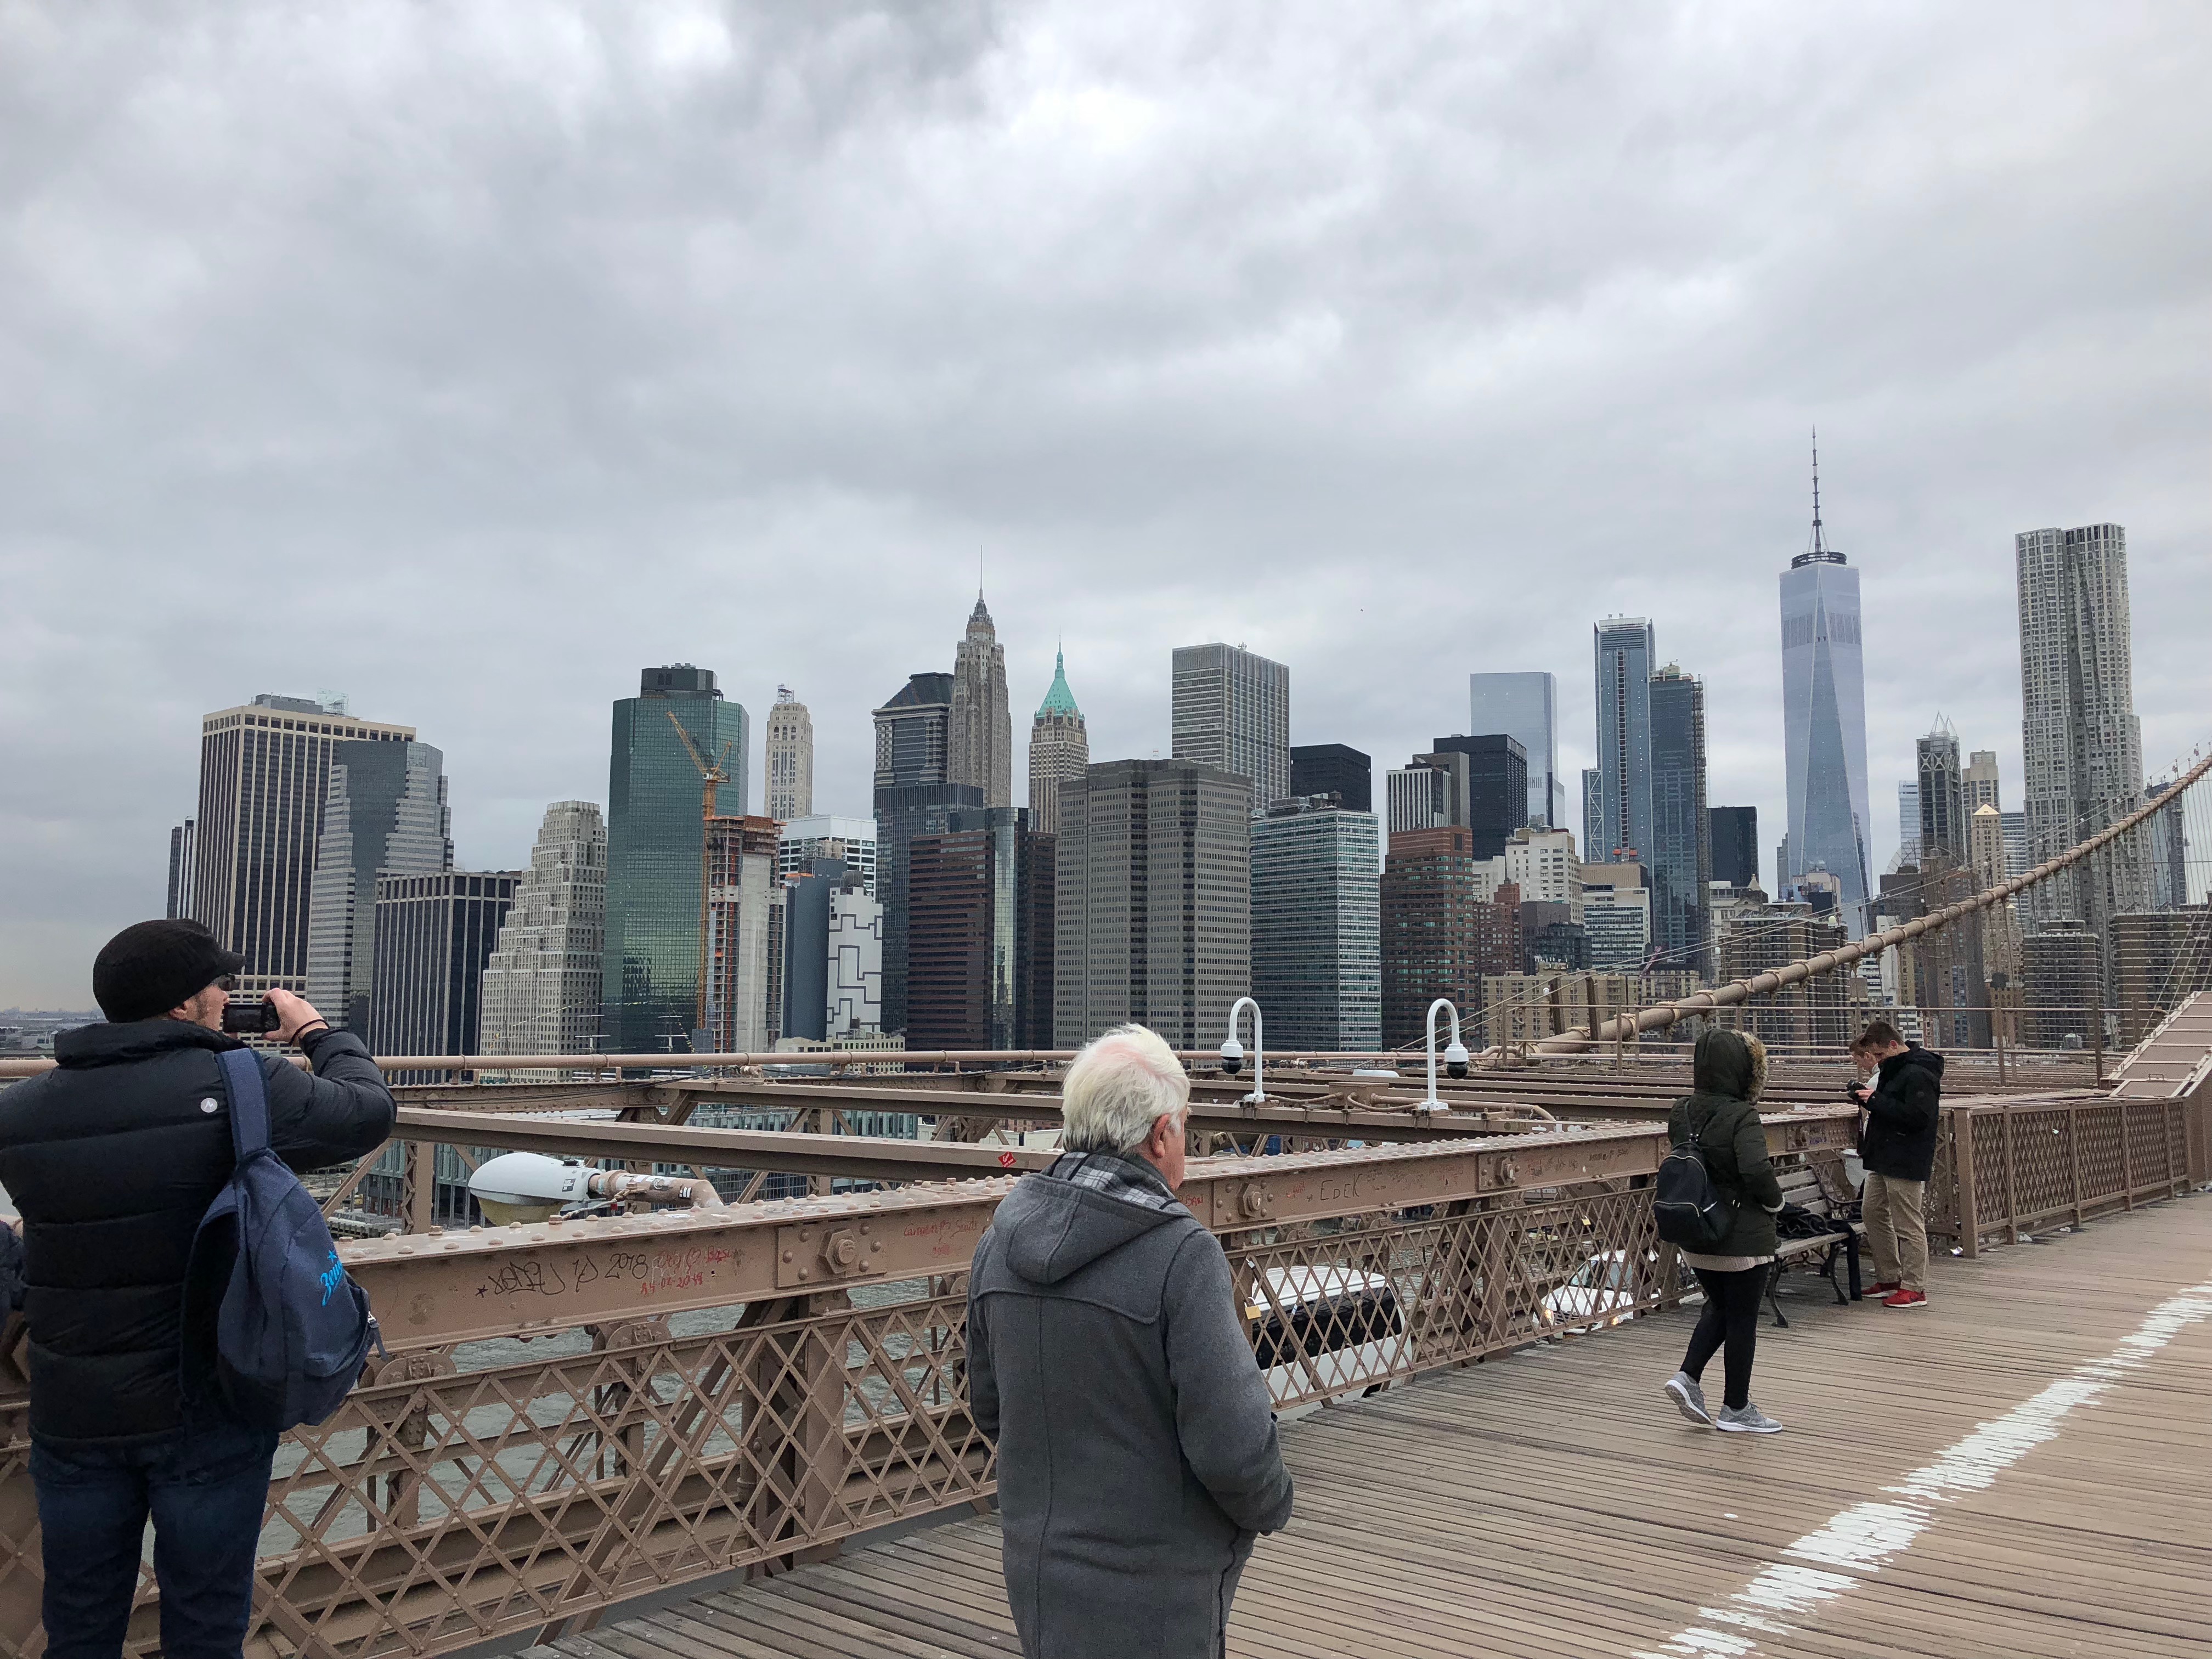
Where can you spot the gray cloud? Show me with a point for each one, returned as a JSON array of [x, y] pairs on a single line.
[[468, 358]]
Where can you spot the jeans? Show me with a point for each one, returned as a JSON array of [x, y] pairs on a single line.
[[1730, 1317], [1896, 1216], [205, 1491]]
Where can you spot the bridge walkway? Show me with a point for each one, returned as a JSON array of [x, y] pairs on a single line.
[[2024, 1467]]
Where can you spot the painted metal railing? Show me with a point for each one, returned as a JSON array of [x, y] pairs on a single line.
[[2008, 1167], [577, 1412]]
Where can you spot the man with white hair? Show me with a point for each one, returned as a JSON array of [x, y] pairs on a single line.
[[1108, 1358]]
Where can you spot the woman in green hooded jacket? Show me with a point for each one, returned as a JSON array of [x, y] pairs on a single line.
[[1720, 1116]]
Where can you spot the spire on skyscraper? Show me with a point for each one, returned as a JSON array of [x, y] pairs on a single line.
[[1817, 551], [1059, 700]]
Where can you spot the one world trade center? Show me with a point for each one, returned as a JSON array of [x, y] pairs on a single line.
[[1824, 720]]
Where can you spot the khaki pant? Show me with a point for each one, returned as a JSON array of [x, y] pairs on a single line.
[[1896, 1216]]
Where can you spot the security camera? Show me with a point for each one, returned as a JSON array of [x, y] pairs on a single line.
[[1455, 1059], [1232, 1057], [528, 1186]]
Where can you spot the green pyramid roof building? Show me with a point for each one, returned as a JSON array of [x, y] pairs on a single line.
[[1059, 700]]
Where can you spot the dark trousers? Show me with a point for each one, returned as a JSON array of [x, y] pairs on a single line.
[[1730, 1317], [204, 1490]]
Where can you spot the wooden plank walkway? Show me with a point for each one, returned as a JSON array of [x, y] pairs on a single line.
[[1554, 1504]]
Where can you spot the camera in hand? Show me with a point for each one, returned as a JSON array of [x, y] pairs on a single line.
[[257, 1018]]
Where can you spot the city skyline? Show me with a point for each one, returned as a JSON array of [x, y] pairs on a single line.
[[1611, 633], [1384, 444]]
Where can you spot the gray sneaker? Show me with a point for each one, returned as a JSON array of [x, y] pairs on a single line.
[[1689, 1399], [1748, 1420]]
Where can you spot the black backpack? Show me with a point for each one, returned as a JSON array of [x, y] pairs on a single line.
[[1690, 1211]]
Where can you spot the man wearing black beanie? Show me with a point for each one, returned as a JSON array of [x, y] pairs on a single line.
[[113, 1157]]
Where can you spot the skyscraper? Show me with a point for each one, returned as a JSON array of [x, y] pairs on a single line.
[[1525, 706], [980, 938], [1824, 720], [545, 976], [1491, 788], [264, 775], [1333, 769], [1735, 834], [1908, 821], [2062, 970], [1059, 748], [1317, 926], [1233, 712], [2081, 742], [2165, 883], [433, 934], [181, 848], [2015, 845], [1625, 649], [1594, 835], [979, 731], [1617, 916], [1438, 939], [2000, 926], [1153, 901], [1418, 796], [384, 813], [789, 741], [913, 798], [656, 850], [1942, 795], [1680, 855], [1979, 782]]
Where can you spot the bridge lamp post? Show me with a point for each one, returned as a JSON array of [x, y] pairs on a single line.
[[1232, 1053], [1454, 1056]]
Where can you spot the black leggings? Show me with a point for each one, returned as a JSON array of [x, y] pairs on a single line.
[[1731, 1316]]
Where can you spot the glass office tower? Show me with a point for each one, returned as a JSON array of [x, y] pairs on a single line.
[[1626, 649], [656, 850], [1525, 706], [1824, 722], [1681, 857]]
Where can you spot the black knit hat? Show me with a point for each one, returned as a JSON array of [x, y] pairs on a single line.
[[150, 967]]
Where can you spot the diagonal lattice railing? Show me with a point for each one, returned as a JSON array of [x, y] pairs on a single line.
[[579, 1412]]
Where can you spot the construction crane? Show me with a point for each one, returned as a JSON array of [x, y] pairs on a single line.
[[710, 778]]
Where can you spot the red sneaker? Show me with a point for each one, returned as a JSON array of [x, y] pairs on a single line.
[[1905, 1299], [1888, 1287]]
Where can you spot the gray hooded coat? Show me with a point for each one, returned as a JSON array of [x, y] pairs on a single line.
[[1137, 1452]]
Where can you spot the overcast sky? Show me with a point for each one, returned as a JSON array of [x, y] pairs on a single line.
[[466, 358]]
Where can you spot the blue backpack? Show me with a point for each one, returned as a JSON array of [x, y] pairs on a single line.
[[271, 1321]]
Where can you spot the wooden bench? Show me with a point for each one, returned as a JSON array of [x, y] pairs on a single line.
[[1823, 1192]]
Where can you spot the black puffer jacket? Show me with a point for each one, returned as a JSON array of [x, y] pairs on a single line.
[[1899, 1142], [1728, 1072], [113, 1157]]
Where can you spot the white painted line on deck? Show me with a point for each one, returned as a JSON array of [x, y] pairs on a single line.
[[1823, 1564]]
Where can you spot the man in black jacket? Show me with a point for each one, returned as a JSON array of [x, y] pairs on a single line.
[[113, 1157], [1899, 1151]]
